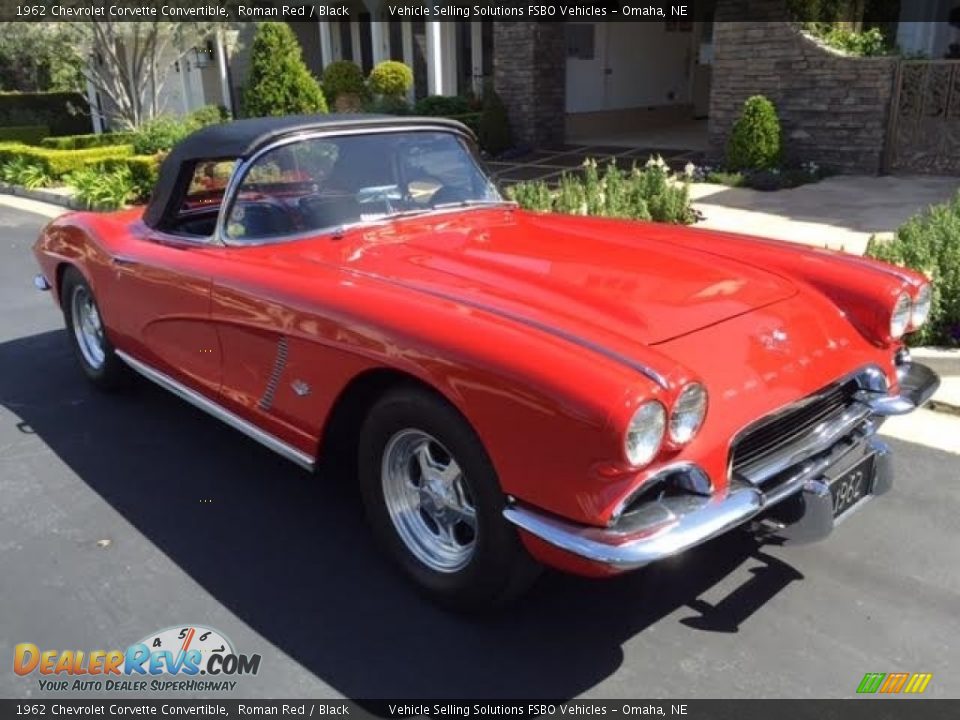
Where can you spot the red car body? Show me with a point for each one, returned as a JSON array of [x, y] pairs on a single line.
[[546, 332]]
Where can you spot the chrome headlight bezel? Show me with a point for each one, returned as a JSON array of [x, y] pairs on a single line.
[[900, 316], [688, 413], [645, 432], [922, 303]]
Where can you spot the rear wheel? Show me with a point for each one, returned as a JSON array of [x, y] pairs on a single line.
[[434, 502], [88, 335]]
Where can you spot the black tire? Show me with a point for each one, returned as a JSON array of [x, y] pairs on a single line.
[[110, 374], [499, 568]]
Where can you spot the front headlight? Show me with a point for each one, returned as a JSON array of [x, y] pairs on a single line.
[[688, 413], [921, 306], [645, 433], [900, 318]]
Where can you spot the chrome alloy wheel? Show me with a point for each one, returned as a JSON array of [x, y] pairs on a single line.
[[428, 500], [87, 327]]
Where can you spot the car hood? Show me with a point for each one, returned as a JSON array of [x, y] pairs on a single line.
[[628, 278]]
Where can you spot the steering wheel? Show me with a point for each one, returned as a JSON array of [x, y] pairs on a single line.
[[449, 194]]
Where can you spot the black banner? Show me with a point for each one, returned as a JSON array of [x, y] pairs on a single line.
[[876, 708], [676, 11]]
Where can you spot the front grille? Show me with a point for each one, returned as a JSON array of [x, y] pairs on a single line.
[[785, 427]]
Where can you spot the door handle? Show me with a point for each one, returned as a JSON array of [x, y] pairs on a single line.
[[121, 261]]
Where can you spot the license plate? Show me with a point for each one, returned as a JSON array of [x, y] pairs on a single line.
[[852, 486]]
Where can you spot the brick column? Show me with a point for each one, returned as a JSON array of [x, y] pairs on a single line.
[[529, 71]]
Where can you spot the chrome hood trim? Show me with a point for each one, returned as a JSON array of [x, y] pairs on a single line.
[[645, 370]]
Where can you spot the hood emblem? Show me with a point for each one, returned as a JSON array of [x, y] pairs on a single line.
[[300, 388]]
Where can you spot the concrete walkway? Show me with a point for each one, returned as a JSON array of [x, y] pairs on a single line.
[[840, 212]]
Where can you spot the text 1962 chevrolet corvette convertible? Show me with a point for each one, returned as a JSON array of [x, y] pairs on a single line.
[[515, 389]]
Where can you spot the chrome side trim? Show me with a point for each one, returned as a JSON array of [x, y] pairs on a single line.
[[40, 283], [219, 412], [279, 363]]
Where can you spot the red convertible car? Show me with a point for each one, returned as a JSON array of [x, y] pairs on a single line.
[[515, 389]]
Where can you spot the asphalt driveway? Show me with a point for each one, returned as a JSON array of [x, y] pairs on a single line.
[[124, 514]]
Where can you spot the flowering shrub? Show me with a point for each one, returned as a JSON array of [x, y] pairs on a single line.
[[930, 242], [647, 193]]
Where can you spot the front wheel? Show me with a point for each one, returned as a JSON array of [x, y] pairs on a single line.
[[434, 502], [88, 335]]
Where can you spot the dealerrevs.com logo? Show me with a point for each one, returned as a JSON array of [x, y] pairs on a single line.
[[185, 658]]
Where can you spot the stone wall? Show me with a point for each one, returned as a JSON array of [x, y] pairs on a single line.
[[833, 108], [529, 74]]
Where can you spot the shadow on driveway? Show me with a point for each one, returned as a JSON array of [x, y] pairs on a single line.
[[289, 554]]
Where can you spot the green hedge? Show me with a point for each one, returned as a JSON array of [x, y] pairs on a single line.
[[29, 134], [57, 163], [435, 105], [471, 120], [144, 170], [90, 140], [64, 113]]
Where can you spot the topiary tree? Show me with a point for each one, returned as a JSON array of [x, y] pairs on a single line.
[[494, 126], [344, 79], [754, 142], [390, 79], [279, 82]]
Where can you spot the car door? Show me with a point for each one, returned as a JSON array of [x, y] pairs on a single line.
[[161, 288], [278, 371]]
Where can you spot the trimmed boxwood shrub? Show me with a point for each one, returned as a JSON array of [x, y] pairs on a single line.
[[279, 82], [81, 142], [390, 78], [57, 163], [930, 242], [343, 78], [754, 142], [64, 113], [442, 105], [29, 134]]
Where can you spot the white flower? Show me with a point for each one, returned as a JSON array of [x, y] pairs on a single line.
[[689, 169], [656, 162]]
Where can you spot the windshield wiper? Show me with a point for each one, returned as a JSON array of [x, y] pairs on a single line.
[[475, 203]]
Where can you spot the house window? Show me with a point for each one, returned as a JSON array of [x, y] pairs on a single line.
[[580, 41]]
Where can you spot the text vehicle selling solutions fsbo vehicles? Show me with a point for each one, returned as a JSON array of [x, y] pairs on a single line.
[[509, 389]]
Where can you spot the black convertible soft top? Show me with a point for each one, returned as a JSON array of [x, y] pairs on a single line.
[[240, 139]]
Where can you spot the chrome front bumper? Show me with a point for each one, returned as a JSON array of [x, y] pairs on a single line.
[[670, 525]]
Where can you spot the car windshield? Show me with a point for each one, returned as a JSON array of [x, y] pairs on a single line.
[[317, 184]]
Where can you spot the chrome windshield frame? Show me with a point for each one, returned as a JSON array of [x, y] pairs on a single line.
[[243, 167]]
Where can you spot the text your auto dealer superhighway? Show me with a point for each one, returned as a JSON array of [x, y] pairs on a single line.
[[141, 12]]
